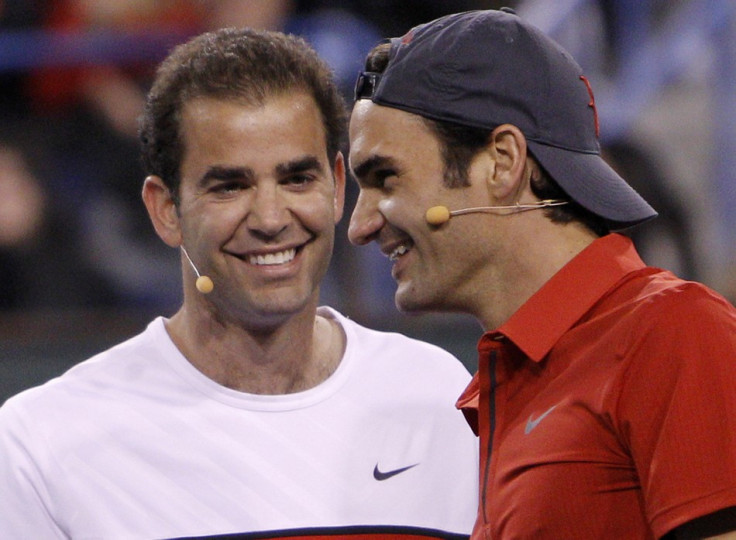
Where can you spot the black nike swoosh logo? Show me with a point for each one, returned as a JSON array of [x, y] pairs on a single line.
[[380, 476]]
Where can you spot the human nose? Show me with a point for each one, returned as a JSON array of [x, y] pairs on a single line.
[[366, 221], [268, 213]]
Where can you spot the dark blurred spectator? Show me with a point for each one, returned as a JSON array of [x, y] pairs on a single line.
[[395, 17], [40, 263], [79, 129]]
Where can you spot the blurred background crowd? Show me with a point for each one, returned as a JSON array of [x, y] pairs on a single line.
[[81, 267]]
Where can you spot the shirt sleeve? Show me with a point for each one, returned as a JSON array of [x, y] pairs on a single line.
[[24, 512], [677, 409]]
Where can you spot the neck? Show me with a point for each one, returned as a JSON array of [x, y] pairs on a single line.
[[536, 256], [292, 356]]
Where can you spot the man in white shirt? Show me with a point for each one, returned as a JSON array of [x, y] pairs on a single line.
[[251, 412]]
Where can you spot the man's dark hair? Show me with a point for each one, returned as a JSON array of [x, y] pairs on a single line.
[[245, 65], [460, 144]]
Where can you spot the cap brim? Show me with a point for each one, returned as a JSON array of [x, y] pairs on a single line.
[[593, 184]]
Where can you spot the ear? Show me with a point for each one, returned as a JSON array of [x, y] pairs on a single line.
[[162, 210], [507, 146], [338, 172]]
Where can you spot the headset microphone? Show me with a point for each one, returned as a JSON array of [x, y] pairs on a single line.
[[204, 284], [437, 215]]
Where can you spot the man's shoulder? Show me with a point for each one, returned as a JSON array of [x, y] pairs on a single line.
[[658, 314], [108, 369], [660, 292], [648, 291]]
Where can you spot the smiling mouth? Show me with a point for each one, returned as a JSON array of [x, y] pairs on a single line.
[[398, 251], [272, 259]]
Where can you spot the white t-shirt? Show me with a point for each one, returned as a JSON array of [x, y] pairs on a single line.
[[137, 443]]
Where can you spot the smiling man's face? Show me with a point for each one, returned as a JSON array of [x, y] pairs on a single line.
[[397, 161], [259, 202]]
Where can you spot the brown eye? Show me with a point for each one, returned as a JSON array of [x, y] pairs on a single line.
[[227, 187], [299, 180], [382, 175]]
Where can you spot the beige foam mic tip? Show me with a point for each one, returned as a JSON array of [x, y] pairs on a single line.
[[204, 284], [437, 215]]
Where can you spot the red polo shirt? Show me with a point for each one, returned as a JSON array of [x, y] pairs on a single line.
[[606, 405]]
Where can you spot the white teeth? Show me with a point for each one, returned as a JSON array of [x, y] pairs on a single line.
[[398, 252], [273, 258]]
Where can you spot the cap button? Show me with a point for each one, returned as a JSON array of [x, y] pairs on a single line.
[[507, 10]]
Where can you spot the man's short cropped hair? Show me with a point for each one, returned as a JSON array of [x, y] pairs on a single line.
[[242, 64]]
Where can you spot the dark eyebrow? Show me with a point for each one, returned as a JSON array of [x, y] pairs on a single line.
[[306, 163], [219, 172], [373, 162], [223, 173]]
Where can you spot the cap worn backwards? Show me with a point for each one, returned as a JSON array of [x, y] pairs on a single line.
[[487, 68]]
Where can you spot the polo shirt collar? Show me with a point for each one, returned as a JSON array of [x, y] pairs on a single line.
[[543, 319]]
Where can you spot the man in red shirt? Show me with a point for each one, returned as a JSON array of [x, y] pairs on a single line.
[[605, 398]]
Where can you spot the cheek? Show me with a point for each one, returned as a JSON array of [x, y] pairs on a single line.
[[211, 222], [406, 208], [400, 203], [315, 213]]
